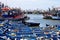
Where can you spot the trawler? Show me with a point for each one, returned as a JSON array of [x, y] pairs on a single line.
[[11, 13], [55, 16]]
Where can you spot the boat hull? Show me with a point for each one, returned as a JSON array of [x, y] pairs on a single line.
[[47, 17], [56, 18], [31, 24]]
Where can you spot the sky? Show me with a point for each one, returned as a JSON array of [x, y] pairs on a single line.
[[32, 4]]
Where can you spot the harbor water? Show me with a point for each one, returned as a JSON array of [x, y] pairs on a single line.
[[16, 30], [39, 18]]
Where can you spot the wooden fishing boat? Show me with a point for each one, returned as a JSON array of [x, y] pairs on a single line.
[[29, 23]]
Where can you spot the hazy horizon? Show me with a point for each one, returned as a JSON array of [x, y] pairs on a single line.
[[32, 4]]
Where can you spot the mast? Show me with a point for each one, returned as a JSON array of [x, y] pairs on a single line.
[[57, 14], [6, 2]]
